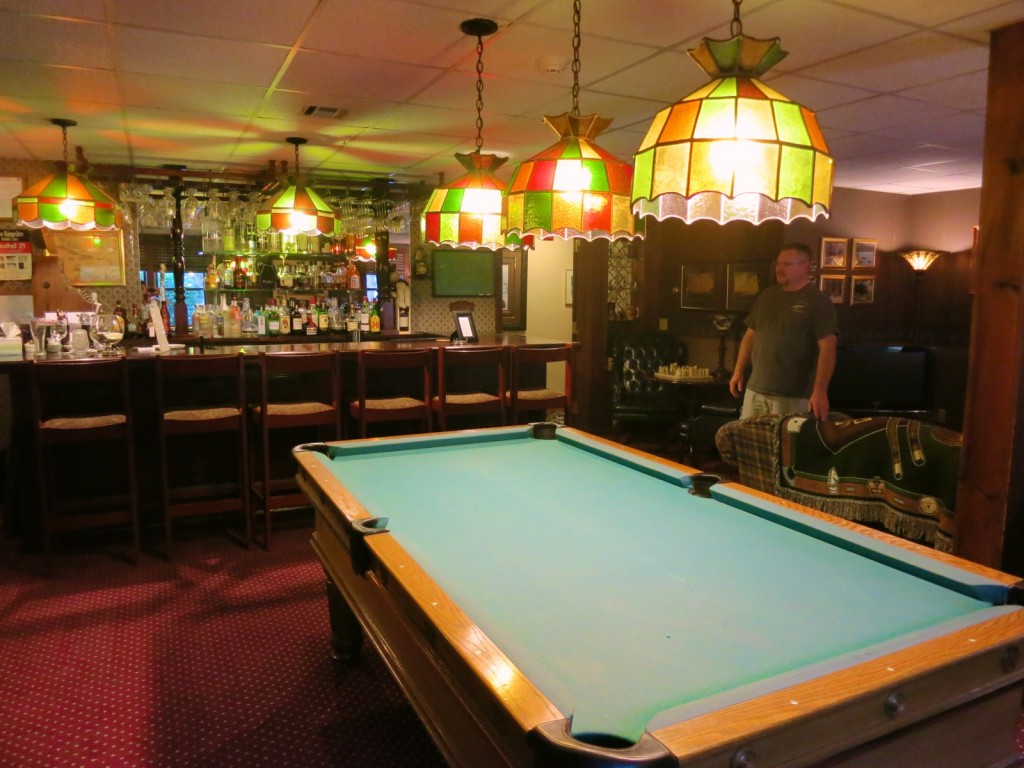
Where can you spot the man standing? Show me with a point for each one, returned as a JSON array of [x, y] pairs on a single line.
[[790, 341]]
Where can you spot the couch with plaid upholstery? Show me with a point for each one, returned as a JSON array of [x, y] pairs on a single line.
[[898, 473]]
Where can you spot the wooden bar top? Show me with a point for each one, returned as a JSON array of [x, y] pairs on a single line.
[[141, 350]]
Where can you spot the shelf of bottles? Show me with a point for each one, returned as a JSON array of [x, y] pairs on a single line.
[[270, 284]]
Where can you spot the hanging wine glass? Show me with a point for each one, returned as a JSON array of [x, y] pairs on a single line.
[[191, 210]]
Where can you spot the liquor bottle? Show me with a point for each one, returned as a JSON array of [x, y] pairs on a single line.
[[165, 316], [228, 238], [234, 320], [374, 318], [285, 314], [273, 319], [248, 320], [131, 328], [119, 310], [298, 321], [212, 276], [260, 318], [335, 321], [241, 275], [352, 277], [311, 327], [323, 318], [351, 318], [364, 317], [140, 320]]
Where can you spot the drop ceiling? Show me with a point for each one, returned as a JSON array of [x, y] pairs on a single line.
[[389, 85]]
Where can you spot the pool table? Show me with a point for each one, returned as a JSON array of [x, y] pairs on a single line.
[[545, 597]]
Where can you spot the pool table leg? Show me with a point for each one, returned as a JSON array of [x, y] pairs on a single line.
[[346, 634]]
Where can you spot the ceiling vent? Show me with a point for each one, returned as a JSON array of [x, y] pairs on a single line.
[[324, 113]]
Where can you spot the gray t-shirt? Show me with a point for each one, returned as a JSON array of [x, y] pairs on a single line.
[[788, 325]]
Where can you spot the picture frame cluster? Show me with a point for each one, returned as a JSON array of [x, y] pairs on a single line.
[[848, 262], [712, 285]]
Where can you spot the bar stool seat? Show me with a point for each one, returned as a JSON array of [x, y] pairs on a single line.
[[470, 381], [392, 386], [526, 395], [84, 403]]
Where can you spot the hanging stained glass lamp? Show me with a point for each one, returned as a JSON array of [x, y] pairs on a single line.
[[735, 149], [467, 212], [298, 208], [574, 188], [65, 199]]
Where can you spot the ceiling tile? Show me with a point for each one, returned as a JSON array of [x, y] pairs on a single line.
[[979, 25], [264, 21], [46, 40], [879, 112], [339, 75], [425, 34], [198, 58], [55, 82], [91, 10], [904, 63], [190, 95]]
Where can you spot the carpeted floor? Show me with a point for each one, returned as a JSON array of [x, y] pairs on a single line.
[[219, 658]]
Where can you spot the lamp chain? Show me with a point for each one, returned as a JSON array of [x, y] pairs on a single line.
[[64, 132], [479, 92], [296, 160], [576, 57], [736, 27]]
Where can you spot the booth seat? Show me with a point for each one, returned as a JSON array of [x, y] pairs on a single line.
[[638, 399]]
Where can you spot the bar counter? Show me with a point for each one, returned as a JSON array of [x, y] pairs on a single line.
[[21, 490], [142, 349]]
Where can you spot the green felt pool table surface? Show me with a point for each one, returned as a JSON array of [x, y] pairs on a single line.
[[628, 601]]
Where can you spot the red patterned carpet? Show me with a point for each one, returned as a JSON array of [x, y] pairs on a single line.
[[219, 658]]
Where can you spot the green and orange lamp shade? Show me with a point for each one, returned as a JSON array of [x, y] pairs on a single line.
[[572, 189], [734, 149]]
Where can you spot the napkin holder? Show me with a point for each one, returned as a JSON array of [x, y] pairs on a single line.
[[11, 343]]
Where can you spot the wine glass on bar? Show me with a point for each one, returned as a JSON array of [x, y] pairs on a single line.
[[107, 332], [58, 330]]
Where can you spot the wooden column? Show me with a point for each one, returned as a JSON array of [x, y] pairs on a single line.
[[590, 329], [991, 493], [180, 310]]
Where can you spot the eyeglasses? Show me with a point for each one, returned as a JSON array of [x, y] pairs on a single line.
[[788, 264]]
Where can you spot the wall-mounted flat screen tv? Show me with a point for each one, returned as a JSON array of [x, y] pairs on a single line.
[[463, 273]]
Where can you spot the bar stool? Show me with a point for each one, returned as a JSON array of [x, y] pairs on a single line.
[[396, 397], [529, 391], [462, 382], [198, 397], [297, 390], [84, 403]]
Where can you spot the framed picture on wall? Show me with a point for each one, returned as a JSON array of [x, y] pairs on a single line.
[[864, 254], [833, 286], [88, 258], [513, 289], [833, 252], [743, 282], [700, 285], [862, 290]]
